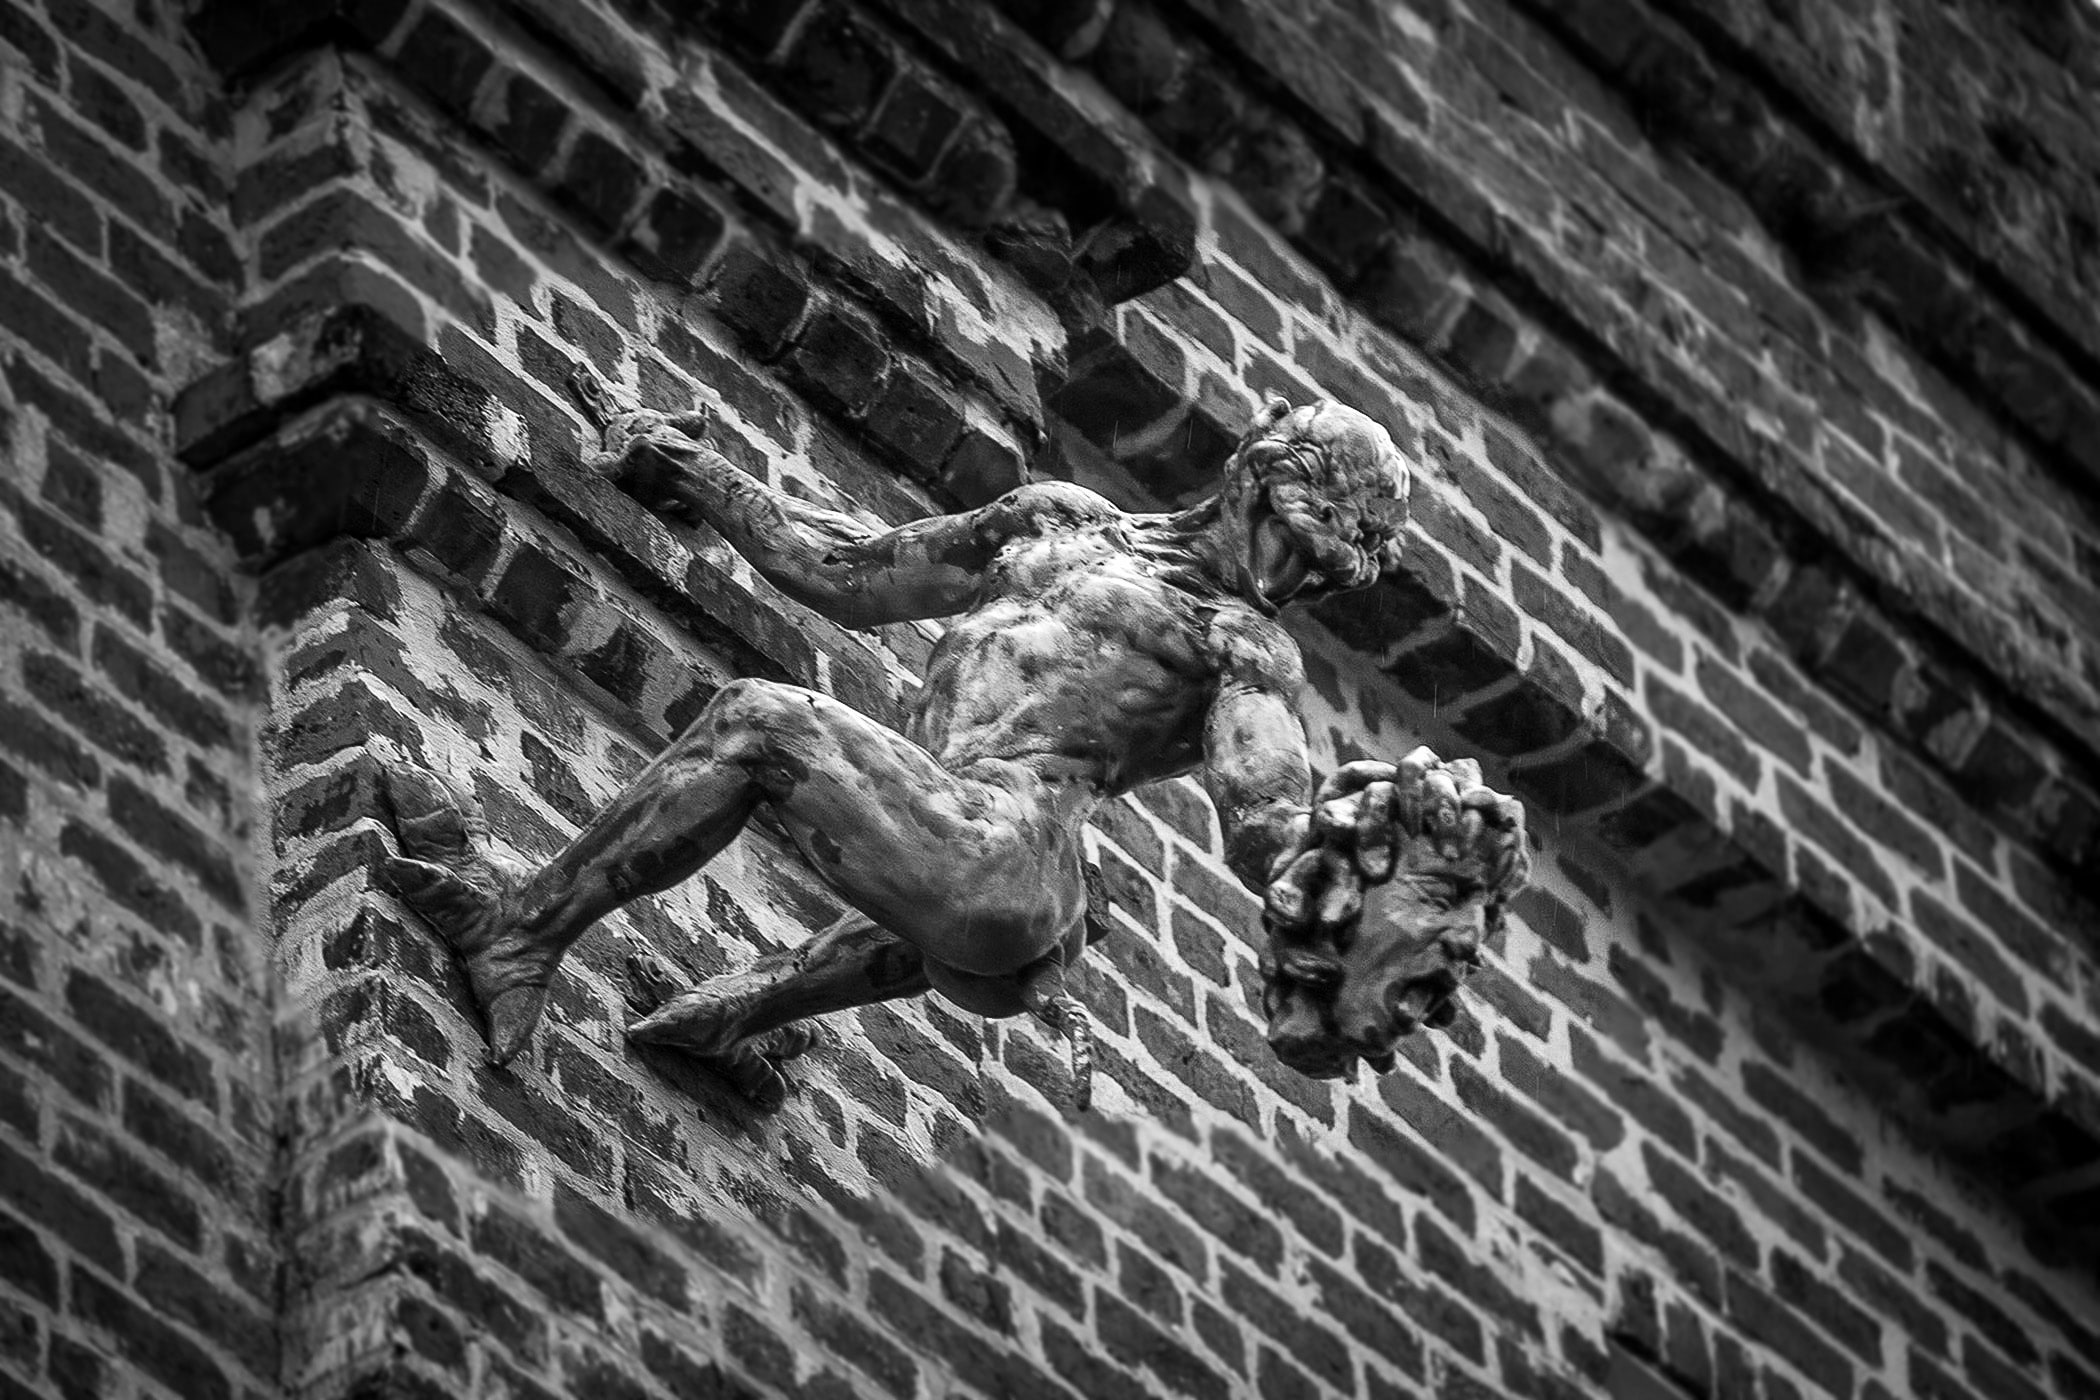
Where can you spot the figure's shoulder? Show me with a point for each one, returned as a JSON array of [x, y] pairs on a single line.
[[1255, 650], [1041, 507]]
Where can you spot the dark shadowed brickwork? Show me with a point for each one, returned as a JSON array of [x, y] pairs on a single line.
[[1746, 353]]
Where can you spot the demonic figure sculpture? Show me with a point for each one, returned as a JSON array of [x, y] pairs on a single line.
[[1091, 651]]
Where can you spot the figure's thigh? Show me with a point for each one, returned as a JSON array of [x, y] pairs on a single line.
[[975, 873]]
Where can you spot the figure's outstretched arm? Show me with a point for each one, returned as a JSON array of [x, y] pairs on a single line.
[[1255, 764], [853, 573]]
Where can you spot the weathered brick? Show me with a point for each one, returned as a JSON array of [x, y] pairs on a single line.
[[1553, 920], [758, 294], [14, 795], [1849, 1209], [102, 581], [1571, 1229], [1700, 1206], [1126, 1336], [1450, 1260], [523, 1249], [1596, 640], [198, 1148], [1693, 1263], [1426, 1302], [154, 1346], [1704, 730], [176, 840], [1695, 1030], [100, 1161], [25, 1263], [1527, 1131], [1240, 1227], [1542, 710], [1634, 1091], [1968, 945], [180, 1293], [849, 1338], [1816, 821], [43, 746], [994, 1369], [1775, 1322], [1311, 1218], [1595, 1004], [1311, 1342], [125, 879]]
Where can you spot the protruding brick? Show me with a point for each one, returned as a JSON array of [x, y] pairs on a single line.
[[676, 234], [760, 295]]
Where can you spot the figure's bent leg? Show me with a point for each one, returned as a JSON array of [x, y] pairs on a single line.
[[510, 932], [748, 1022], [974, 873], [852, 963]]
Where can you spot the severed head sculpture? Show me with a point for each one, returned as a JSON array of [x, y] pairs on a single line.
[[1378, 919], [1089, 651]]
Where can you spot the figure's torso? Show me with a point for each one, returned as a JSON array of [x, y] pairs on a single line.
[[1083, 655]]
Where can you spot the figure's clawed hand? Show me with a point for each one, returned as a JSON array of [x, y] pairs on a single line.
[[707, 1022], [633, 454], [1420, 817]]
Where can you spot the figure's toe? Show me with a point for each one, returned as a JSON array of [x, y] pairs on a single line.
[[756, 1077], [662, 1024], [434, 891], [512, 1015], [694, 1021], [789, 1042], [430, 819]]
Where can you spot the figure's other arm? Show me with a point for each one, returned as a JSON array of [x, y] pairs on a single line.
[[853, 573], [1254, 744]]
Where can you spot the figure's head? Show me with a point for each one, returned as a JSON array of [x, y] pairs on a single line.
[[1334, 1001], [1313, 502]]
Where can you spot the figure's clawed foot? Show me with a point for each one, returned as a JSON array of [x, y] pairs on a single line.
[[757, 1066], [708, 1022], [468, 895]]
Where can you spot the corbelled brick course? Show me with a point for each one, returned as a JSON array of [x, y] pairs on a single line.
[[1783, 1078]]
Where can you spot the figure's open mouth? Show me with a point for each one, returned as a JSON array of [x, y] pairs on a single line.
[[1280, 569], [1325, 1056]]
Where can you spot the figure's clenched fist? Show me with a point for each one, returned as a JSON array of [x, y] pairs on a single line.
[[1369, 818]]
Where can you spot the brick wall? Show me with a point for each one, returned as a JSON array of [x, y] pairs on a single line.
[[138, 1114], [1766, 579]]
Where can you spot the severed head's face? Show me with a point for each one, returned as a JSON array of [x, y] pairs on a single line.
[[1314, 499], [1353, 996], [1377, 911]]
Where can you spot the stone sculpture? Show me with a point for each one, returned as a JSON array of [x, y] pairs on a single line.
[[1091, 651]]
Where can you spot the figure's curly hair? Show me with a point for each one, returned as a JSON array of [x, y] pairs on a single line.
[[1336, 479]]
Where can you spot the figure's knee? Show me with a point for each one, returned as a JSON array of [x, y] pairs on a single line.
[[763, 725]]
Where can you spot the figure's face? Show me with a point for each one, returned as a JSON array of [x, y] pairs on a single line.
[[1314, 499], [1400, 969]]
